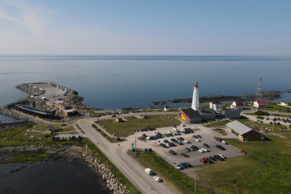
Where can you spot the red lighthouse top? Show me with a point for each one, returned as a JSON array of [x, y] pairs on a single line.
[[196, 84]]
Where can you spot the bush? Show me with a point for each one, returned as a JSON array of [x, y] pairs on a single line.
[[262, 113], [47, 135], [260, 117]]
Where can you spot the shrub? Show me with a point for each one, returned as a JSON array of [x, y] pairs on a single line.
[[262, 113], [260, 117]]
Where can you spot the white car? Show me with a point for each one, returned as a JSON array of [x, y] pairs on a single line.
[[148, 171], [177, 166], [169, 131], [175, 129], [197, 139], [158, 179], [203, 150], [224, 142], [167, 145], [159, 142], [222, 156], [155, 133]]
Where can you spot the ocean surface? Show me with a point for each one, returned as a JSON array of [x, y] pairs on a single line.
[[113, 82], [52, 177]]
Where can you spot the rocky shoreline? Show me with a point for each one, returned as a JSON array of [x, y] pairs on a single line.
[[72, 152], [269, 95], [111, 181]]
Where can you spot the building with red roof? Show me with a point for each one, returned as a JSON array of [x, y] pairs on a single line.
[[260, 104]]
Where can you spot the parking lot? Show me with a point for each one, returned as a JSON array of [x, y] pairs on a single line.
[[184, 152]]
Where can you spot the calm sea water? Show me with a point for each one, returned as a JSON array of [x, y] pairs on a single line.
[[114, 82], [53, 177]]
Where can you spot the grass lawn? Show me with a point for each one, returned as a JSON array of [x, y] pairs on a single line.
[[221, 123], [112, 140], [132, 124], [221, 131], [274, 128], [264, 169], [176, 179], [30, 156], [92, 113], [275, 107], [68, 128], [44, 127]]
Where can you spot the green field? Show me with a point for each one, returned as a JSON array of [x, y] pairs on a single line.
[[275, 107], [173, 177], [132, 124], [112, 140], [221, 131], [32, 156], [221, 123], [273, 128], [264, 169]]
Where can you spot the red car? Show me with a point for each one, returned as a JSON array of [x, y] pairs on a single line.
[[204, 160], [218, 139], [243, 152], [199, 136]]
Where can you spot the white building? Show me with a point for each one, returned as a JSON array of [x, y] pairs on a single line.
[[239, 104], [166, 108], [216, 106], [260, 104]]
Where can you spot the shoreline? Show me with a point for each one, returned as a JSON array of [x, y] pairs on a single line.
[[109, 180]]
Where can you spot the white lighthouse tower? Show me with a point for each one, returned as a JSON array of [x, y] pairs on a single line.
[[195, 99]]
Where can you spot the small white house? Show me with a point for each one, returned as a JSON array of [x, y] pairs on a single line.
[[166, 108], [260, 104], [239, 104], [216, 106]]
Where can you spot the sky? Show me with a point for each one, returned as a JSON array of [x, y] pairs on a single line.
[[145, 27]]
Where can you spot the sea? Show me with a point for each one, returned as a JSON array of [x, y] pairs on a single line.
[[114, 82], [51, 177]]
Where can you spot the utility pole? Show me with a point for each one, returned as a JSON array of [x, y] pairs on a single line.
[[195, 186]]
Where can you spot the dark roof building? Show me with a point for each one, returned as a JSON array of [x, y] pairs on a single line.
[[190, 115]]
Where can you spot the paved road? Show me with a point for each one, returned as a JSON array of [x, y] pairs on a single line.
[[127, 165]]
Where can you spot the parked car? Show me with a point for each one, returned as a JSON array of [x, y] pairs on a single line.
[[199, 136], [185, 155], [204, 160], [177, 166], [242, 151], [218, 139], [187, 165], [220, 147], [172, 152], [186, 141], [157, 179], [206, 145], [222, 156], [203, 150], [197, 140], [187, 149], [194, 148], [148, 171]]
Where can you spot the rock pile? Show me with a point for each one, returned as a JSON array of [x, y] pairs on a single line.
[[111, 181]]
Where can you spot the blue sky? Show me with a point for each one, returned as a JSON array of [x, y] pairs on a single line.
[[145, 27]]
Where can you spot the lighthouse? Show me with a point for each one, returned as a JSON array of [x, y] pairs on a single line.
[[195, 99]]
